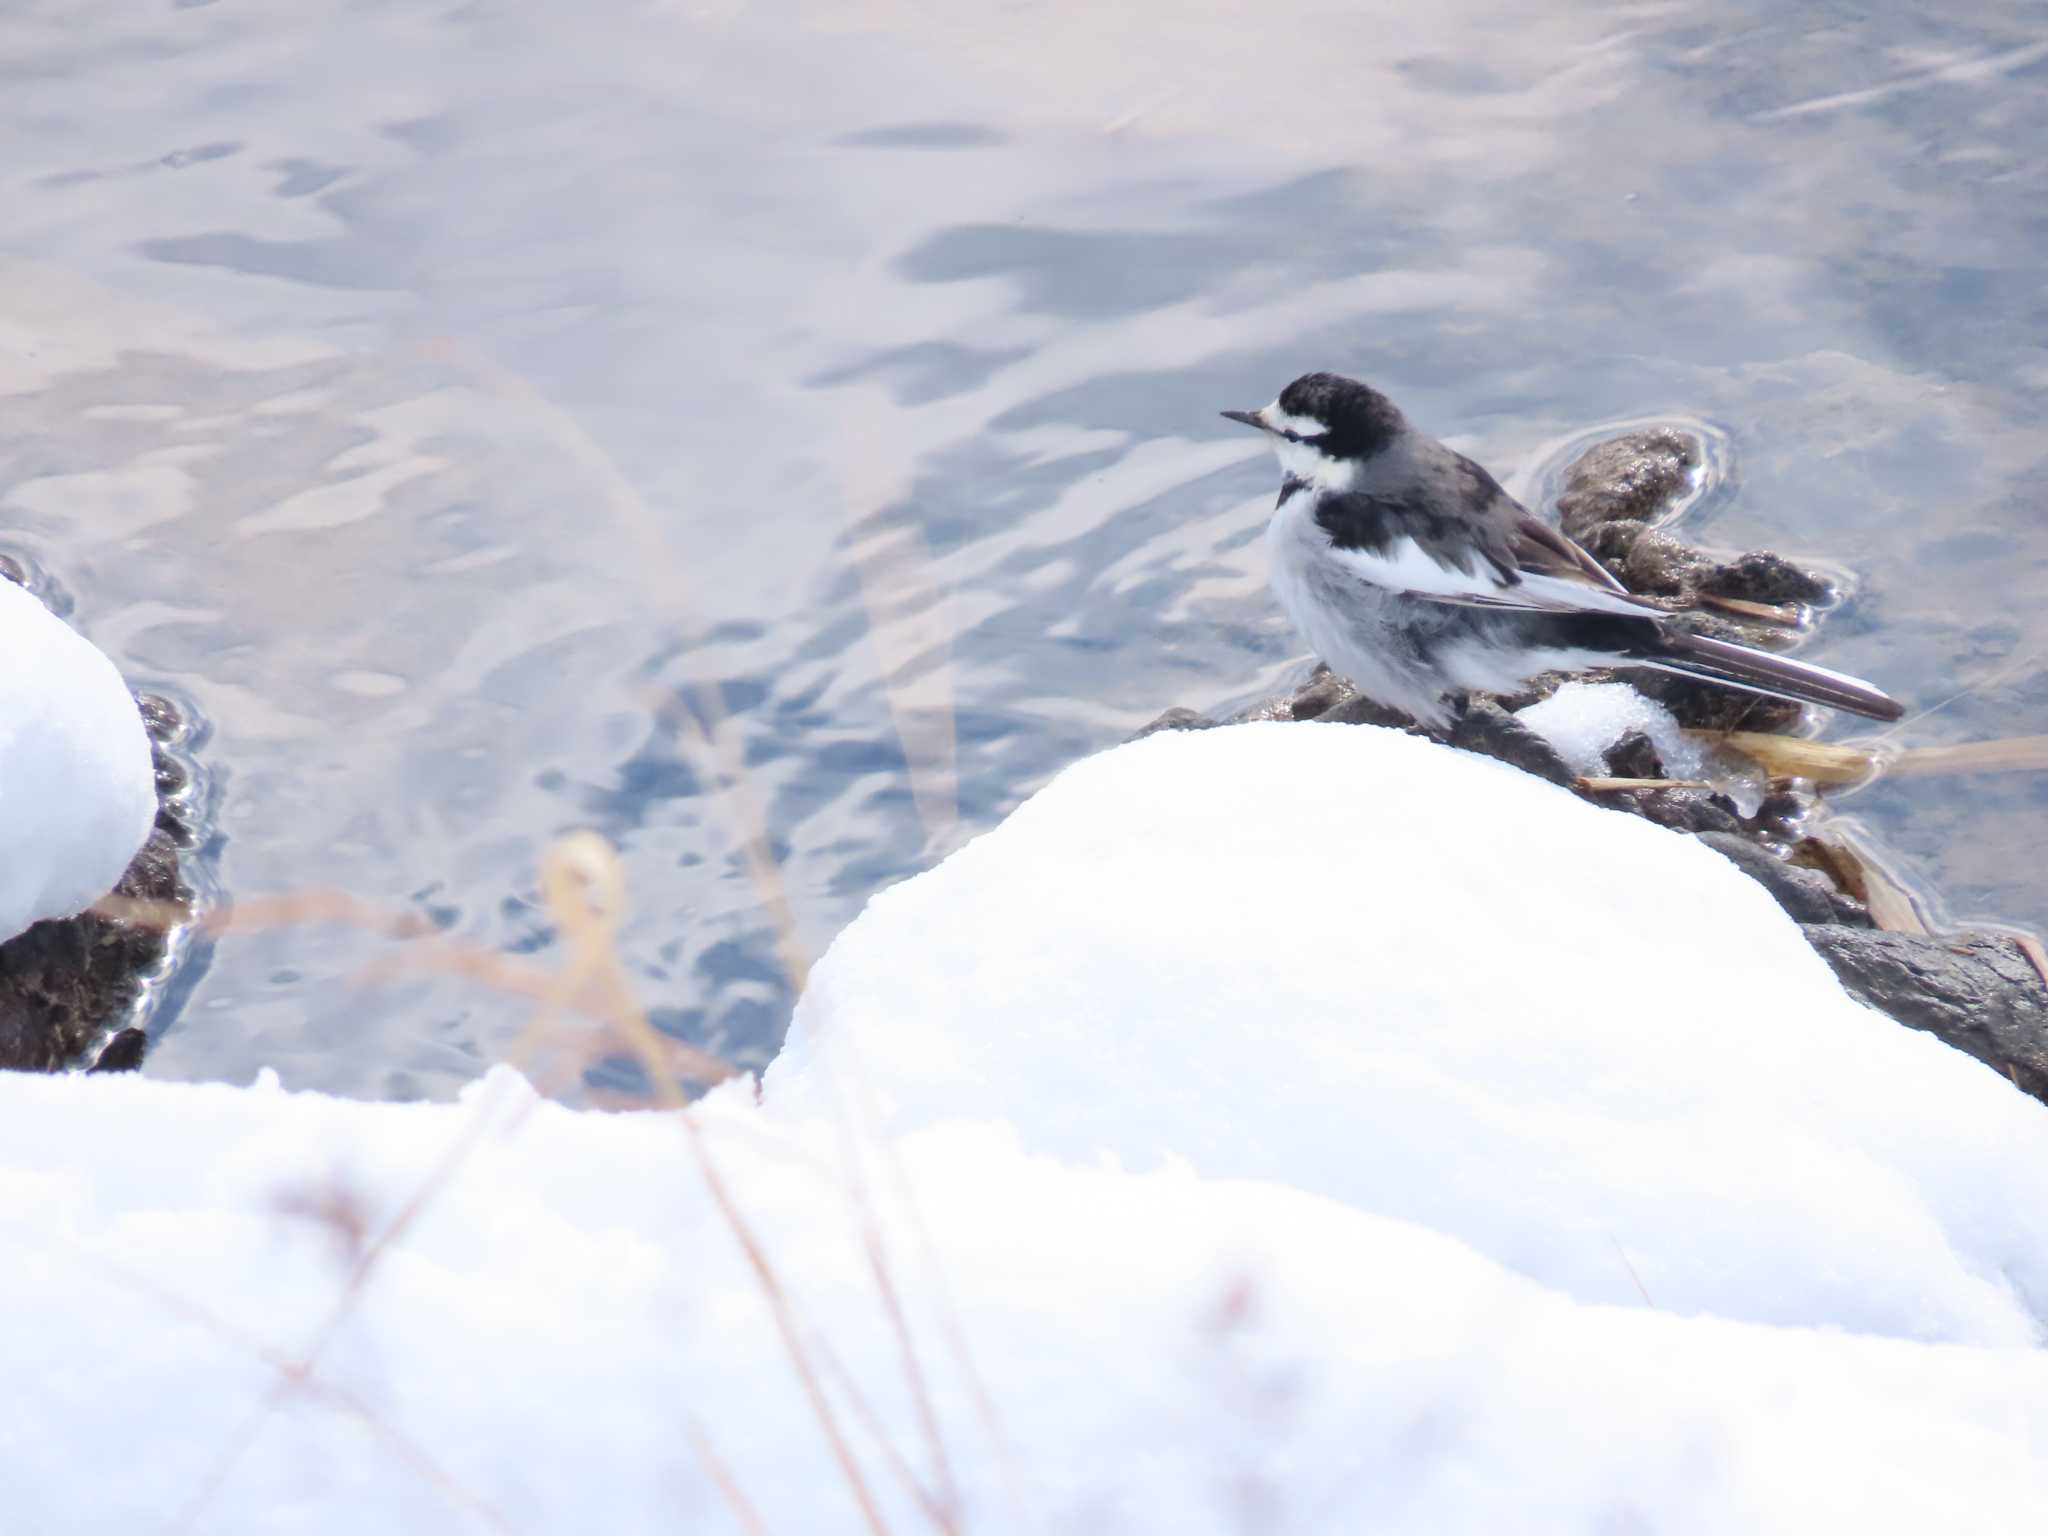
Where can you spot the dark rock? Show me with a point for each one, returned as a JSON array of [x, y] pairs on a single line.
[[1710, 707], [1175, 719], [1491, 731], [1635, 477], [1849, 912], [1976, 991], [1635, 757], [123, 1053], [1781, 814], [152, 875], [1609, 543], [1321, 693], [63, 982], [1359, 710], [1803, 893], [1682, 810], [171, 775], [160, 717], [1762, 577], [1657, 565]]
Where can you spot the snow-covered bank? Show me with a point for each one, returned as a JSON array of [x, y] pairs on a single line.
[[1314, 1129]]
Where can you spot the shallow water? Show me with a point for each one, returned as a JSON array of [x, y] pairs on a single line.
[[434, 396]]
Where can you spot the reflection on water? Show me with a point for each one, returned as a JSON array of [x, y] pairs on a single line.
[[461, 407]]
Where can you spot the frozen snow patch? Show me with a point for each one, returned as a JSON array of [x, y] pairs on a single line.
[[1586, 721], [77, 788]]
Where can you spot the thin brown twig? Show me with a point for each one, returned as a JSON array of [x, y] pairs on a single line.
[[1600, 786], [114, 1273], [1622, 1254], [428, 950], [728, 784], [845, 1049], [583, 866], [722, 1479], [944, 1515], [2037, 957], [773, 893], [452, 1157], [2011, 669], [1786, 615]]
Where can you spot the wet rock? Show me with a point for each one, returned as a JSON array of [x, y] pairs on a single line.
[[63, 982], [160, 717], [1781, 814], [171, 775], [1805, 894], [1978, 992], [1491, 731], [1762, 577], [123, 1053], [1635, 478], [1175, 719], [1658, 565], [1359, 710], [1610, 543], [1635, 757], [1320, 694], [1682, 810], [1710, 707]]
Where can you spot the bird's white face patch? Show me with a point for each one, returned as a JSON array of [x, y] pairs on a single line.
[[1305, 461], [1309, 464], [1282, 421]]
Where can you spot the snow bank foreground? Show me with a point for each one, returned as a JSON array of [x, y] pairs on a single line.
[[1312, 1130]]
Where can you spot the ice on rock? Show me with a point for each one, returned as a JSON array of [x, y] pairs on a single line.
[[77, 789], [1586, 721]]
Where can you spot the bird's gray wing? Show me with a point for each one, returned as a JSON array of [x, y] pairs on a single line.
[[1451, 534]]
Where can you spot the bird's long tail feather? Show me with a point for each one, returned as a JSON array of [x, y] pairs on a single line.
[[1761, 672]]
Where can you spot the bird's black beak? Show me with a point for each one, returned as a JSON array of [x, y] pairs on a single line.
[[1249, 418]]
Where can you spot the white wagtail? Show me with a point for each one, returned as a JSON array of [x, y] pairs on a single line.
[[1416, 577]]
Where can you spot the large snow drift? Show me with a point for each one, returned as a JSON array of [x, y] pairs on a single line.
[[1279, 1128]]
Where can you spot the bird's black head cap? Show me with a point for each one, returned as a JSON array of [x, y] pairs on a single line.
[[1360, 420]]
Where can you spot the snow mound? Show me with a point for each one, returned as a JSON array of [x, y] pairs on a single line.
[[77, 789], [1586, 721], [1425, 984], [1298, 1128]]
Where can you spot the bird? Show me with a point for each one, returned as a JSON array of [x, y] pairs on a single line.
[[1409, 570]]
